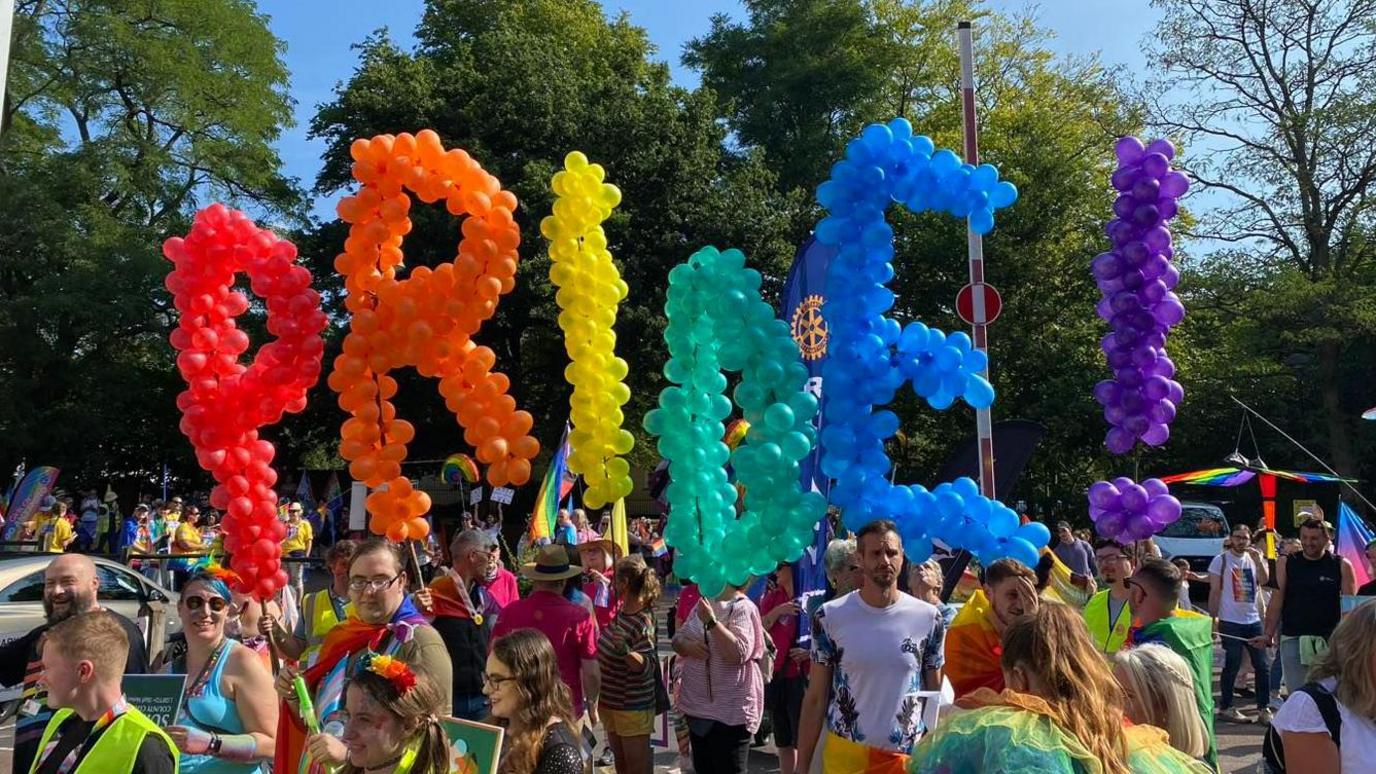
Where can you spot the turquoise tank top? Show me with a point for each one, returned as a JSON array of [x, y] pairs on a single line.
[[206, 708]]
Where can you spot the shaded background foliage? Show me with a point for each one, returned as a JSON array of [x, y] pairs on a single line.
[[105, 154]]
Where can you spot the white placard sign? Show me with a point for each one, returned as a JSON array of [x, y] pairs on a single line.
[[503, 495], [358, 507], [475, 497]]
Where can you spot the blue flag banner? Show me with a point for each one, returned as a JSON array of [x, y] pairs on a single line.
[[801, 307]]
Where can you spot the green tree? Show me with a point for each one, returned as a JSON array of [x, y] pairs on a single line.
[[1048, 123], [120, 119], [518, 85], [1274, 100]]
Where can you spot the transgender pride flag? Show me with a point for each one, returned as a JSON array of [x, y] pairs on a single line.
[[1353, 535]]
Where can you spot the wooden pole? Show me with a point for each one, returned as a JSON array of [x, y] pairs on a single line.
[[272, 640]]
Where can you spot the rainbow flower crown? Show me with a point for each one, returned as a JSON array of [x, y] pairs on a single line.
[[395, 671]]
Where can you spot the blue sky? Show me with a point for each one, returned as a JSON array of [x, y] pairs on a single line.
[[319, 37]]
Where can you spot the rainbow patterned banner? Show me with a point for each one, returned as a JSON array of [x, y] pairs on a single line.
[[27, 497], [553, 489], [1239, 476]]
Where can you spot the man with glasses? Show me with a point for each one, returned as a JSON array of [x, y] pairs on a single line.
[[1156, 604], [1108, 614], [384, 621], [69, 588], [464, 613], [1234, 578]]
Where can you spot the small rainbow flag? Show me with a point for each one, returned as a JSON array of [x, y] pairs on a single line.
[[1353, 535], [553, 489], [658, 548]]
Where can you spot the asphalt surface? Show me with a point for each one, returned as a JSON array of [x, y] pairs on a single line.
[[1239, 745]]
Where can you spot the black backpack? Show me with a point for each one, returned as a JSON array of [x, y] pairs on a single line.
[[1272, 749]]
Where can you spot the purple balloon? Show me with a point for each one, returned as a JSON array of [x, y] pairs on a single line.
[[1164, 509], [1110, 525], [1177, 394], [1107, 392], [1155, 487], [1167, 209], [1156, 388], [1106, 265], [1162, 412], [1124, 205], [1156, 435], [1163, 147], [1174, 184], [1103, 495], [1129, 150], [1119, 441], [1146, 215], [1146, 190], [1156, 165]]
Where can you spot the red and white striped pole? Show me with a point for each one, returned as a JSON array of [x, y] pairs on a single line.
[[983, 417]]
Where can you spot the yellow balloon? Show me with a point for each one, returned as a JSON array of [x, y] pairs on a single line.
[[589, 289]]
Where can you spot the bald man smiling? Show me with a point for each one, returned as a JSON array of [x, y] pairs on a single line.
[[69, 589]]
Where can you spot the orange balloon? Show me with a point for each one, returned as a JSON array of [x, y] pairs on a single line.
[[425, 320]]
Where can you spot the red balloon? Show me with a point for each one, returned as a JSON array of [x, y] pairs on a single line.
[[226, 401]]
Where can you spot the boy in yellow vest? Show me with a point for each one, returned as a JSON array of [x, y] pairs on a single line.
[[1108, 614], [94, 730]]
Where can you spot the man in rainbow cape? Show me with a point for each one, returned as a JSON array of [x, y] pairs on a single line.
[[384, 621], [973, 643]]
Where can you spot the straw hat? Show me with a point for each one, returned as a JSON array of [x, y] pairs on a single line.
[[551, 564], [603, 543]]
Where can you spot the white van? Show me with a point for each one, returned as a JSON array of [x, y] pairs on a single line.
[[1197, 536]]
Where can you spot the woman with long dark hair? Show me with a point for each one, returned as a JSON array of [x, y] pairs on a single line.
[[531, 701]]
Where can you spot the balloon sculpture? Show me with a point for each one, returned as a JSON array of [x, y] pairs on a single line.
[[718, 322], [459, 468], [589, 291], [225, 402], [872, 356], [426, 320], [1137, 282]]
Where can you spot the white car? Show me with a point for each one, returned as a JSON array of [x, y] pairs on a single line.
[[1197, 536], [150, 606]]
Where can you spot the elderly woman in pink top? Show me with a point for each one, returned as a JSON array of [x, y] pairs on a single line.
[[722, 693]]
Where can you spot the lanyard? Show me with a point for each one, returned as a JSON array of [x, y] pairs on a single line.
[[103, 722]]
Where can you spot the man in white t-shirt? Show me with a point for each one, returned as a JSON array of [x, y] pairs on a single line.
[[873, 650], [1234, 579]]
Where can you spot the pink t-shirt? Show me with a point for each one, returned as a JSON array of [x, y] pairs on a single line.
[[604, 601], [569, 627], [503, 588]]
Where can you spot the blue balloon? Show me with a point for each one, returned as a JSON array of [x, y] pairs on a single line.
[[871, 357]]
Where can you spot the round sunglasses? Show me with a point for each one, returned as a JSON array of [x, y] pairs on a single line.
[[216, 604]]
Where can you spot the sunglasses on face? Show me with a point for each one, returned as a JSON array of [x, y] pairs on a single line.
[[216, 604]]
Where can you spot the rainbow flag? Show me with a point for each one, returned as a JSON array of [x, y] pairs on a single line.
[[1238, 476], [1353, 535], [553, 489], [973, 648], [658, 548]]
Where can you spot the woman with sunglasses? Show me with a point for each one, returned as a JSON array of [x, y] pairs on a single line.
[[532, 702], [228, 719]]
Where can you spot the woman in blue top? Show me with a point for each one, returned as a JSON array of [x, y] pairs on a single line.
[[228, 719]]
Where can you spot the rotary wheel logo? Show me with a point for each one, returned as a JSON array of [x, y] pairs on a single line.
[[809, 329]]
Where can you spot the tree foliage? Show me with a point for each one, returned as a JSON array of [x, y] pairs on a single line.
[[119, 119]]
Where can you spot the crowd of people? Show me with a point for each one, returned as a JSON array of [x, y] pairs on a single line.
[[1095, 660]]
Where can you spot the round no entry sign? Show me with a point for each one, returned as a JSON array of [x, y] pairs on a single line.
[[965, 303]]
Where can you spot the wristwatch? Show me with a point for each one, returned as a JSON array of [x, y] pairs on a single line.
[[215, 743], [711, 622]]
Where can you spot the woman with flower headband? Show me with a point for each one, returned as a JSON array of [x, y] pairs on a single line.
[[228, 718], [532, 702], [391, 724]]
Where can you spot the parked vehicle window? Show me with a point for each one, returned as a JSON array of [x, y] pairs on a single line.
[[26, 589], [117, 585]]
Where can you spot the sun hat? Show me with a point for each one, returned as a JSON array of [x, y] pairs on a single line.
[[551, 564]]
